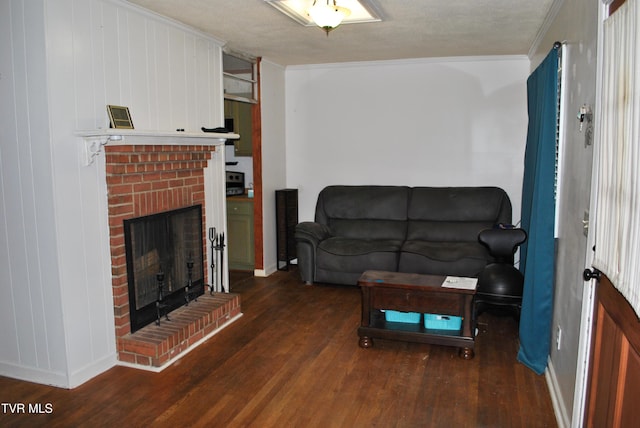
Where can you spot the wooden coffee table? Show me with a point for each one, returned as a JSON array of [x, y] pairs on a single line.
[[410, 292]]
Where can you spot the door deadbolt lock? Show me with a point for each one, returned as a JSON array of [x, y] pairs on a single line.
[[590, 274]]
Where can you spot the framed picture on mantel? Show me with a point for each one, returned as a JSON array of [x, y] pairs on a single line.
[[119, 117]]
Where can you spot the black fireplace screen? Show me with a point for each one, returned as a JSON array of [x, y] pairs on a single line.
[[167, 243]]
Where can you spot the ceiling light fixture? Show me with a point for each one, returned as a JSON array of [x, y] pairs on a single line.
[[328, 16], [361, 11]]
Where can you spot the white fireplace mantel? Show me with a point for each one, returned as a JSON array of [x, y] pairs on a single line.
[[96, 139]]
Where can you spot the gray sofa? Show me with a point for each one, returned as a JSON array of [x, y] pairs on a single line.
[[432, 230]]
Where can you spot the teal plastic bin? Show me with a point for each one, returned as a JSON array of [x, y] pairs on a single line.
[[406, 317], [442, 322]]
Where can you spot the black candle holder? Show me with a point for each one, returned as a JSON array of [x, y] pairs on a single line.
[[160, 306], [188, 293]]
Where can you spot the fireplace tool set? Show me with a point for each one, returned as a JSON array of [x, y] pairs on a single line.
[[217, 247], [217, 281]]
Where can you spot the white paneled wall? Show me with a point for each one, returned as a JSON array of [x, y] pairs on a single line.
[[61, 63], [32, 329]]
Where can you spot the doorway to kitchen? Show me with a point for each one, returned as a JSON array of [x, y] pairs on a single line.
[[242, 115]]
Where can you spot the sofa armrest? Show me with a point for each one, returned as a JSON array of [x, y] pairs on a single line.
[[308, 235], [312, 232]]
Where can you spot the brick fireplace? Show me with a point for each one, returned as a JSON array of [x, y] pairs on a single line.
[[147, 179]]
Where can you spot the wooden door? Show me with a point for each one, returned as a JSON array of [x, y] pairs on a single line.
[[615, 370]]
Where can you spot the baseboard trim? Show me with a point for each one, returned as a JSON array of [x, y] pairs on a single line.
[[562, 417], [102, 365], [35, 375], [260, 273], [268, 270]]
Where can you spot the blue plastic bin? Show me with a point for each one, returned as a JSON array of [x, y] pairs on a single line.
[[406, 317], [442, 322]]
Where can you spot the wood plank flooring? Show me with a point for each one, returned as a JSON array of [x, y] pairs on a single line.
[[293, 360]]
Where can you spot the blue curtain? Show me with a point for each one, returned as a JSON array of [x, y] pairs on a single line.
[[537, 255]]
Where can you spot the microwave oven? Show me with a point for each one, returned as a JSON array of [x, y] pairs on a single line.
[[235, 183]]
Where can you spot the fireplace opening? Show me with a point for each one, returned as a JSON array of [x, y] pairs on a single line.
[[165, 268]]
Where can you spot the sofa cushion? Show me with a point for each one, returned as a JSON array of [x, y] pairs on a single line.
[[443, 258], [455, 214], [357, 255], [364, 212]]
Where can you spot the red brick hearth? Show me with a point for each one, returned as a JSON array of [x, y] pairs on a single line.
[[143, 180], [156, 345]]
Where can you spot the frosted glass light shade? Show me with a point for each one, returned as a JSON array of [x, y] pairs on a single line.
[[327, 15]]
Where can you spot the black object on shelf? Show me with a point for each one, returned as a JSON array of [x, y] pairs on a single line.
[[286, 221], [231, 163], [219, 130]]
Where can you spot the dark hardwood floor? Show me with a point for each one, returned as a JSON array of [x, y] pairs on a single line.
[[292, 360]]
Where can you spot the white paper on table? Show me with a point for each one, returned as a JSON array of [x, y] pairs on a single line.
[[460, 282]]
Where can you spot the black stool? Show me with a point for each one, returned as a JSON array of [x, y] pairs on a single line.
[[500, 284]]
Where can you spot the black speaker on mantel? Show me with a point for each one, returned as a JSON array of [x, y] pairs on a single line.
[[286, 221]]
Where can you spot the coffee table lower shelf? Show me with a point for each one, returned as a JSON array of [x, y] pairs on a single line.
[[415, 333]]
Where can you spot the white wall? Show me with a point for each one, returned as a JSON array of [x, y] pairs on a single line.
[[576, 22], [61, 62], [431, 122], [32, 333], [272, 85]]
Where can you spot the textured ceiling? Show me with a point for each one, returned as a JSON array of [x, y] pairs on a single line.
[[410, 29]]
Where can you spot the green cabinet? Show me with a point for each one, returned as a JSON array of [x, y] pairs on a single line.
[[240, 233], [241, 114]]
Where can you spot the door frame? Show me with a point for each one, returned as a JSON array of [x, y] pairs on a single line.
[[585, 345]]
